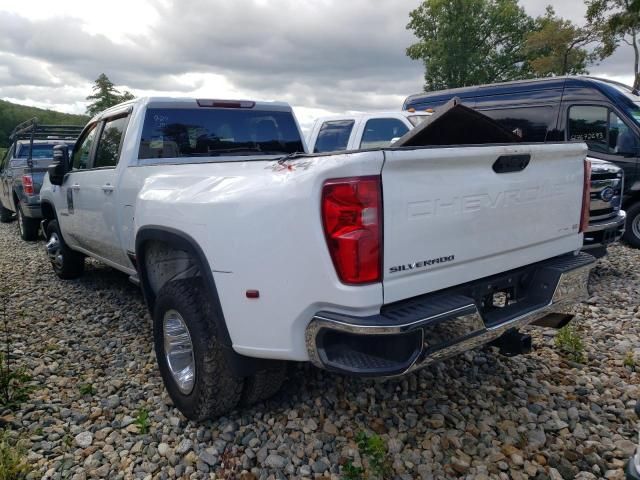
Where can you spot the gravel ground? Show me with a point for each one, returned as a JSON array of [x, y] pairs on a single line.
[[87, 344]]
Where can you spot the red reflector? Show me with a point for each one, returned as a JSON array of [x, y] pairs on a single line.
[[253, 293], [352, 221], [27, 184], [225, 103], [586, 197]]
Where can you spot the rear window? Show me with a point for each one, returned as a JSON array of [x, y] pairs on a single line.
[[189, 132], [333, 136], [38, 151], [378, 132]]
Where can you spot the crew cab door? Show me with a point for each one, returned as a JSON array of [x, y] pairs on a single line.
[[70, 194], [97, 202]]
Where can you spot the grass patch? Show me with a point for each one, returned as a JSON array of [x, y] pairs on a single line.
[[375, 459], [629, 360], [142, 420], [13, 462], [86, 389], [569, 342], [13, 384]]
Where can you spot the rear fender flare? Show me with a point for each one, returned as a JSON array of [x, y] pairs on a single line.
[[241, 365], [180, 241]]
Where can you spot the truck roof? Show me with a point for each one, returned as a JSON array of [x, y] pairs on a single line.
[[606, 86], [369, 115], [192, 102]]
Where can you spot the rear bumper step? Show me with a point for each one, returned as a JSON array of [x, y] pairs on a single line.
[[417, 332]]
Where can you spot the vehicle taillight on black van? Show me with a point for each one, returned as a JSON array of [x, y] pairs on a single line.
[[27, 185], [586, 197], [352, 221]]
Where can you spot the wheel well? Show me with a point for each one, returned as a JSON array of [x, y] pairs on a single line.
[[163, 263], [164, 254], [48, 213]]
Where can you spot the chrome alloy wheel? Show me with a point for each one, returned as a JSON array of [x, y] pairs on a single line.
[[54, 250], [178, 351], [635, 226]]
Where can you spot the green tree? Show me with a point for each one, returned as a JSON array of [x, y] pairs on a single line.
[[105, 95], [557, 46], [617, 21], [470, 42]]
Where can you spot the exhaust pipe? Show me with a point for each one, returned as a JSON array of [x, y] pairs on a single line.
[[513, 343]]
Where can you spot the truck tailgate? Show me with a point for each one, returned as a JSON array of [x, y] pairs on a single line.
[[451, 215]]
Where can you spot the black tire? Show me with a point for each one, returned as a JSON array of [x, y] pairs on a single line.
[[6, 215], [264, 384], [28, 227], [632, 232], [68, 264], [216, 390]]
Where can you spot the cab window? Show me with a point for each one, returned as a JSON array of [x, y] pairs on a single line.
[[333, 136], [602, 130], [82, 152], [378, 132], [622, 140], [108, 150]]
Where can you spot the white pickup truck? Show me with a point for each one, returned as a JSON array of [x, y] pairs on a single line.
[[251, 253], [361, 130]]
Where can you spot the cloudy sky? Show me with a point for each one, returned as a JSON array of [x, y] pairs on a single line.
[[322, 56]]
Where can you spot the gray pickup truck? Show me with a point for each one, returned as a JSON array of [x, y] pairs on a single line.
[[23, 168]]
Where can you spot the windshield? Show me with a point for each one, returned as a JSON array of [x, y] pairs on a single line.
[[417, 119], [38, 151], [634, 112], [202, 132]]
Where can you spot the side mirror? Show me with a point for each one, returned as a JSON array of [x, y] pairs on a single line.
[[394, 140], [60, 166]]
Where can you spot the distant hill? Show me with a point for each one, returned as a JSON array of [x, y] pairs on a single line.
[[12, 114]]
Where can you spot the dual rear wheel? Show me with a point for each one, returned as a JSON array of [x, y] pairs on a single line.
[[192, 360]]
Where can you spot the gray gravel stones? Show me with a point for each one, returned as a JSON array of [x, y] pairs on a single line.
[[83, 440], [480, 416]]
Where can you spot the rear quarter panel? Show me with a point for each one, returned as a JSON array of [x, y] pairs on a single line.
[[259, 224]]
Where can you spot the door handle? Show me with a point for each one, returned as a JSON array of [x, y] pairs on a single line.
[[107, 188], [76, 186]]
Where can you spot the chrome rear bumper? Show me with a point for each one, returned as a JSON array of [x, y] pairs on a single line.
[[420, 331]]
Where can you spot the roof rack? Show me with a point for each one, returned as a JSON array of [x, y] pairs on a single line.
[[32, 130]]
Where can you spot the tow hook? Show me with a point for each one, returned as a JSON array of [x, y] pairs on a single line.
[[513, 343]]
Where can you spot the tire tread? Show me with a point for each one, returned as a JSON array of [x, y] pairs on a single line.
[[217, 390]]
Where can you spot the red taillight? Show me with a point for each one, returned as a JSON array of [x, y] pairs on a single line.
[[27, 184], [586, 197], [352, 219]]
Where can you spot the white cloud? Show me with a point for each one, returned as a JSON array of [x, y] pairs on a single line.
[[323, 56]]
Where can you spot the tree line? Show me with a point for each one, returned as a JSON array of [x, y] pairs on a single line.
[[473, 42]]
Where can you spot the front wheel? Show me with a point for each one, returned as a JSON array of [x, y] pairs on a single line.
[[28, 227], [190, 356], [632, 232], [65, 262]]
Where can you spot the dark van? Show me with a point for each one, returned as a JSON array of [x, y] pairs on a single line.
[[602, 113]]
